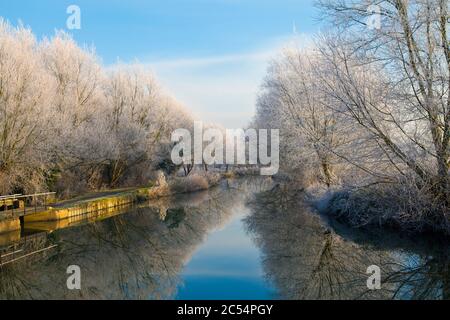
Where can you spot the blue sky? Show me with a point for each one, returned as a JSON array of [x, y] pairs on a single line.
[[210, 54]]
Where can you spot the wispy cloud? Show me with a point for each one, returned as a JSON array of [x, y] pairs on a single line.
[[202, 62], [222, 88]]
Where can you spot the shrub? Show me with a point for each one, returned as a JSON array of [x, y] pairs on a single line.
[[404, 205], [191, 183]]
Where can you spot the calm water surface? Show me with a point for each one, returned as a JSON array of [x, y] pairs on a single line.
[[246, 239], [226, 266]]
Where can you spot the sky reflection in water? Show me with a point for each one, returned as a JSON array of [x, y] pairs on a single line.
[[226, 266]]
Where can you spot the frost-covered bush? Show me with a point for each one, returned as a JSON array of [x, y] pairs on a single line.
[[191, 183], [404, 206], [196, 181]]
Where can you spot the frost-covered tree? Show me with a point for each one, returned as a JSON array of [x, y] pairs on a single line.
[[394, 81], [23, 100], [70, 124], [293, 100]]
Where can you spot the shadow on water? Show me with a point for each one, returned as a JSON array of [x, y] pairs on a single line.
[[142, 254], [308, 257]]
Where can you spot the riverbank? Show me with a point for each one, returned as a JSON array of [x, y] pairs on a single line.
[[379, 208], [384, 207], [78, 207]]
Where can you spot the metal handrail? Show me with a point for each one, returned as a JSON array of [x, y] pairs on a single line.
[[12, 196], [3, 200], [20, 196]]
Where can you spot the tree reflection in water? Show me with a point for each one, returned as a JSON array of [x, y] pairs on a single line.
[[137, 255], [307, 259], [140, 254]]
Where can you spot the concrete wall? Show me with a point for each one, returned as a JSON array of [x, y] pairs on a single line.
[[9, 225]]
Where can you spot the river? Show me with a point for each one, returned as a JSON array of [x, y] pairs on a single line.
[[246, 239]]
